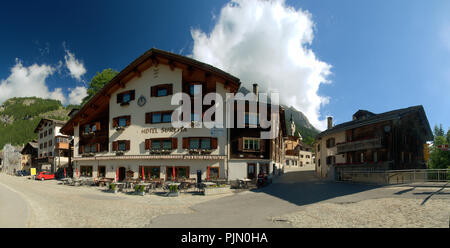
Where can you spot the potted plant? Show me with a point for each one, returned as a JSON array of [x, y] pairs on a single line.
[[173, 190], [140, 189], [113, 187]]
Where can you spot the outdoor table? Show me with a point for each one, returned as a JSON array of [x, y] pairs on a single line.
[[245, 181]]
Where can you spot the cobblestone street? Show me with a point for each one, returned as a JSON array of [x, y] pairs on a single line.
[[296, 199]]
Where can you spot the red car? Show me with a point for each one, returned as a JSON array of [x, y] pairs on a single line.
[[44, 175]]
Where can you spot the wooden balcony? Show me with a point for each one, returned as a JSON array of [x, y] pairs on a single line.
[[372, 143]]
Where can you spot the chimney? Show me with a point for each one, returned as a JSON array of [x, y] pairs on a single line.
[[330, 122], [255, 89]]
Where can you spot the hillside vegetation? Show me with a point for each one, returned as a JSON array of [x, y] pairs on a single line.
[[20, 116]]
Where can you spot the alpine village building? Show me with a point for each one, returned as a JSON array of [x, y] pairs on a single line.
[[125, 129], [297, 153], [53, 146], [388, 141]]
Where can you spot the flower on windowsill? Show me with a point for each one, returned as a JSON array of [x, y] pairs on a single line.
[[120, 128]]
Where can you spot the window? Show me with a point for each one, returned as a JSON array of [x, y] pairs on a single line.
[[167, 117], [150, 172], [251, 144], [50, 154], [125, 97], [180, 172], [94, 128], [161, 90], [122, 122], [101, 171], [86, 171], [41, 146], [156, 118], [264, 168], [49, 143], [195, 89], [195, 117], [213, 172], [41, 135], [87, 148], [94, 148], [318, 147], [45, 134], [194, 143], [205, 143], [251, 119], [251, 171], [122, 146], [50, 131], [45, 145], [158, 144], [330, 142], [331, 160]]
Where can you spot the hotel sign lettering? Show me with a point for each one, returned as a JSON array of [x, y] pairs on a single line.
[[163, 130]]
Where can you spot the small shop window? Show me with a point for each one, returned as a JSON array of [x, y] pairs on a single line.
[[86, 171], [213, 172], [150, 172], [180, 172]]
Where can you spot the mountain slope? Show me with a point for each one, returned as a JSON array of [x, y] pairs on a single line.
[[19, 117]]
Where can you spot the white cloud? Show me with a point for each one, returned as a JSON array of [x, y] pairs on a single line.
[[29, 81], [267, 42], [76, 95], [76, 67]]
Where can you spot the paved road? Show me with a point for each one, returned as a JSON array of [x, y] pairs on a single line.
[[291, 192], [14, 210]]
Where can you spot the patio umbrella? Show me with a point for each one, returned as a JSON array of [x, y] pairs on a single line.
[[173, 173], [77, 171], [64, 172], [207, 174], [117, 175], [143, 175]]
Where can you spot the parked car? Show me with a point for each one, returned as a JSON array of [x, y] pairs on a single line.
[[45, 175]]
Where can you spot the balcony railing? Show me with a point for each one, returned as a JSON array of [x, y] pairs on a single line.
[[359, 145]]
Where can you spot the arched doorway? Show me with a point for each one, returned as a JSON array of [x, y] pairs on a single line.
[[122, 173]]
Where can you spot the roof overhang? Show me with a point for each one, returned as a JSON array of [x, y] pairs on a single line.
[[151, 57]]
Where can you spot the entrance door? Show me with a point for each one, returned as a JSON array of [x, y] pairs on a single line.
[[122, 173], [251, 171]]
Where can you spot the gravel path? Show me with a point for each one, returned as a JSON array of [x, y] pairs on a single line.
[[54, 205]]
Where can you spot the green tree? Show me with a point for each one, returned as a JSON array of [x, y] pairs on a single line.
[[440, 159], [97, 83]]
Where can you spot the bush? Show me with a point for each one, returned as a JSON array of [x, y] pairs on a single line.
[[112, 186]]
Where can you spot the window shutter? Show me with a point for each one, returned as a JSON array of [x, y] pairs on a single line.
[[115, 122], [97, 147], [115, 146], [128, 120], [132, 95], [97, 126], [174, 143], [170, 89], [119, 98], [153, 91], [127, 145], [185, 143], [240, 144], [148, 144], [262, 145], [213, 143], [148, 118]]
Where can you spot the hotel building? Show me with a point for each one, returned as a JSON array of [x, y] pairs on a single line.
[[125, 130]]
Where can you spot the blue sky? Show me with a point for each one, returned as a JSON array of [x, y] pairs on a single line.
[[383, 55]]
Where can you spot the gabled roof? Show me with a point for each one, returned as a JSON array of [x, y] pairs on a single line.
[[33, 145], [390, 115], [46, 120], [142, 63]]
